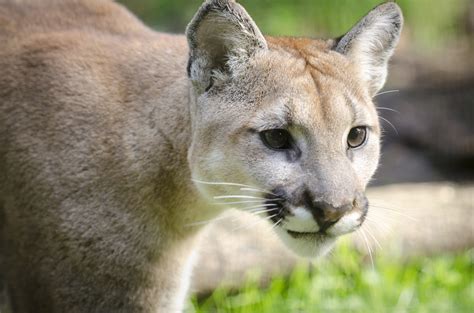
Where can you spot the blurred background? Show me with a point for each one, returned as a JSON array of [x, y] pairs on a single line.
[[415, 254]]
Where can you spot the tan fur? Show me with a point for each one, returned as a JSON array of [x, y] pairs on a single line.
[[101, 132]]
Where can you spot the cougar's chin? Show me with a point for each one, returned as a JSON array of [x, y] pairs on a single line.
[[306, 244]]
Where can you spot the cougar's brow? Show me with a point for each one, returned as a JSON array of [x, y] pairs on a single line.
[[354, 107], [272, 117]]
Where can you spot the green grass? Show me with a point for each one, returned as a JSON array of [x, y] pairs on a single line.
[[347, 282]]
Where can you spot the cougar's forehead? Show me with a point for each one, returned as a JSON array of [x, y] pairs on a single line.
[[309, 84]]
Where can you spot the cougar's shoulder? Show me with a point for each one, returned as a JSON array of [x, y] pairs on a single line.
[[88, 76], [83, 56]]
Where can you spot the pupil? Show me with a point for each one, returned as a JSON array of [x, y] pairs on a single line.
[[356, 137], [355, 133], [276, 139]]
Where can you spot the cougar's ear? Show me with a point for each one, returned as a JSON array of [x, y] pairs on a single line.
[[220, 36], [371, 42]]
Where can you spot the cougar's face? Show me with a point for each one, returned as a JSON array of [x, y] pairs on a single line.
[[293, 137]]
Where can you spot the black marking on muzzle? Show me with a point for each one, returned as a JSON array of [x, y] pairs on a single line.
[[278, 210]]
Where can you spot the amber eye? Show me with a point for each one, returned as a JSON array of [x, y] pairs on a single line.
[[357, 136], [277, 139]]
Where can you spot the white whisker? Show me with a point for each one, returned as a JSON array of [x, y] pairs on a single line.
[[394, 128], [382, 203], [276, 224], [379, 225], [386, 91], [381, 215], [237, 197], [373, 237], [257, 206], [262, 210], [219, 183], [388, 109], [257, 190], [369, 250], [231, 184], [270, 217], [395, 212], [238, 202]]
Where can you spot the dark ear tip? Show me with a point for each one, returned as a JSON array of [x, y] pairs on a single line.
[[390, 8], [206, 7]]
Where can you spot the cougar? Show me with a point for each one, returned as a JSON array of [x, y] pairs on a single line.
[[117, 143]]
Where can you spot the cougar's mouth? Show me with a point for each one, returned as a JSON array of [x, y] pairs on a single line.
[[307, 235], [298, 222]]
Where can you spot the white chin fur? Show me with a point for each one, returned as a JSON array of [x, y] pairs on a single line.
[[307, 246]]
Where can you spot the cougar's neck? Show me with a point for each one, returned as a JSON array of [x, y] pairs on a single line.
[[161, 132]]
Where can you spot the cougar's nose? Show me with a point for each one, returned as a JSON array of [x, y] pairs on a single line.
[[326, 214]]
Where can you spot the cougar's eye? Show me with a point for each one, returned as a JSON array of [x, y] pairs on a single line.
[[277, 139], [357, 136]]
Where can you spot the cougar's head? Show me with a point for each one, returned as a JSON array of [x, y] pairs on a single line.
[[286, 127]]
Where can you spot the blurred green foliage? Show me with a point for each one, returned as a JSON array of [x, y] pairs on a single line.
[[347, 282], [430, 23]]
